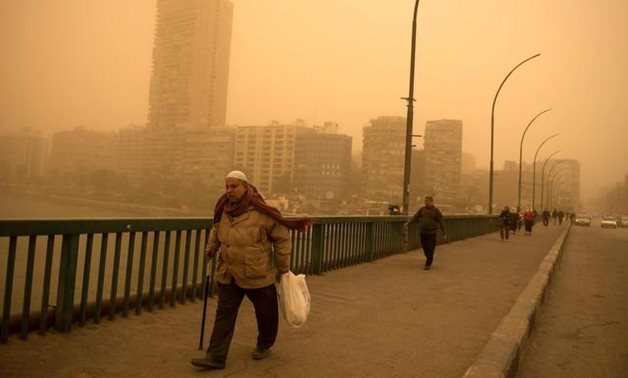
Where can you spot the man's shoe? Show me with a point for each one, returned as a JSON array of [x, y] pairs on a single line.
[[261, 353], [427, 267], [207, 363]]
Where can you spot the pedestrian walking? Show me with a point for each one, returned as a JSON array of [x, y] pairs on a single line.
[[254, 246], [513, 221], [519, 218], [561, 216], [528, 219], [546, 217], [504, 227], [430, 220]]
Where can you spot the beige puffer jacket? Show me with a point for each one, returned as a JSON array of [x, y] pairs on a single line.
[[252, 248]]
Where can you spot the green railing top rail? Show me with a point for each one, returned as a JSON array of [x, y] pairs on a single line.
[[23, 227], [67, 226]]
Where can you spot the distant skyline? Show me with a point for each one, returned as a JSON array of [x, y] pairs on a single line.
[[68, 62]]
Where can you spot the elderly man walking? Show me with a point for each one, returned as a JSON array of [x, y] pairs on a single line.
[[254, 246], [430, 220]]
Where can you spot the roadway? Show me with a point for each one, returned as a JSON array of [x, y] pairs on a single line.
[[582, 329], [385, 318]]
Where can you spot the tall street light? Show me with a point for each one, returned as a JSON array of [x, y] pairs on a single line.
[[409, 119], [543, 173], [553, 192], [551, 185], [550, 175], [490, 174], [534, 168], [521, 153]]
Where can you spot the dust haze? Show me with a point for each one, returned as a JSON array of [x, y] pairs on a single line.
[[67, 63]]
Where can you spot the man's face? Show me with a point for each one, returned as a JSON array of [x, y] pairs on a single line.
[[235, 189], [429, 202]]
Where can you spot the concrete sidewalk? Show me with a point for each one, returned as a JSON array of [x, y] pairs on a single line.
[[385, 318]]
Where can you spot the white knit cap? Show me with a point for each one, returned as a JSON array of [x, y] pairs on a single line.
[[237, 175]]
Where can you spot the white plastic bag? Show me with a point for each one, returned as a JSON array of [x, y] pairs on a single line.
[[294, 299]]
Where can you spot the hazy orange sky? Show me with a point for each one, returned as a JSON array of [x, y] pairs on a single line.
[[87, 62]]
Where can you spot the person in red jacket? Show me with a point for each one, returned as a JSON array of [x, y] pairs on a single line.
[[528, 219]]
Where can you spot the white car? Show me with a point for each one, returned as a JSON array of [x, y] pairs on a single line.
[[582, 220], [609, 221]]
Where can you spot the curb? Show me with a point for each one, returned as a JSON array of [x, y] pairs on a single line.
[[503, 351]]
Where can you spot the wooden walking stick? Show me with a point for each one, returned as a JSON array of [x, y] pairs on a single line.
[[209, 274], [205, 295]]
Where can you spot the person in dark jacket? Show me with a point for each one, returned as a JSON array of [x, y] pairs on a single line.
[[546, 217], [430, 219], [504, 227]]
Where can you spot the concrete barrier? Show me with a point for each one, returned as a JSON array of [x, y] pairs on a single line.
[[503, 351]]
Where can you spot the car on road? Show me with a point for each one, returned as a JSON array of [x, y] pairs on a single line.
[[609, 221], [582, 220], [623, 221]]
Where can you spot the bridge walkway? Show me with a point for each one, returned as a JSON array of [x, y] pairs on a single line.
[[379, 319]]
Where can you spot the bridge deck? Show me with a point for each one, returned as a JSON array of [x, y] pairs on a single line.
[[386, 318]]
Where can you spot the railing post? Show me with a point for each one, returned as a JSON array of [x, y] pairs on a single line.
[[317, 248], [67, 282], [370, 250]]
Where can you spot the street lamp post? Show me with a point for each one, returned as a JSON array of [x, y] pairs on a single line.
[[490, 174], [555, 192], [543, 173], [534, 168], [409, 119], [521, 153], [551, 179]]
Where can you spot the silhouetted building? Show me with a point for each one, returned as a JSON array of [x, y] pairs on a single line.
[[168, 159], [562, 187], [78, 151], [474, 191], [383, 159], [208, 156], [129, 153], [506, 186], [443, 160], [322, 164], [23, 155], [188, 86], [267, 153]]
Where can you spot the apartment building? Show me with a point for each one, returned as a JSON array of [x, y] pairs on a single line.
[[188, 86]]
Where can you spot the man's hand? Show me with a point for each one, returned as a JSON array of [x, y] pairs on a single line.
[[209, 251]]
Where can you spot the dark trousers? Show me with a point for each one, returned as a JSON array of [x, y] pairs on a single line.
[[229, 299], [503, 231], [428, 243]]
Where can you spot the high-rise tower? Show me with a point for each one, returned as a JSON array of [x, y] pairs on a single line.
[[382, 159], [443, 157], [188, 86]]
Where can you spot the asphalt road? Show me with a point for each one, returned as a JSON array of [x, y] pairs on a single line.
[[582, 328]]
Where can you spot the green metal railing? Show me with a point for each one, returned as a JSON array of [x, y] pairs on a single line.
[[160, 262]]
